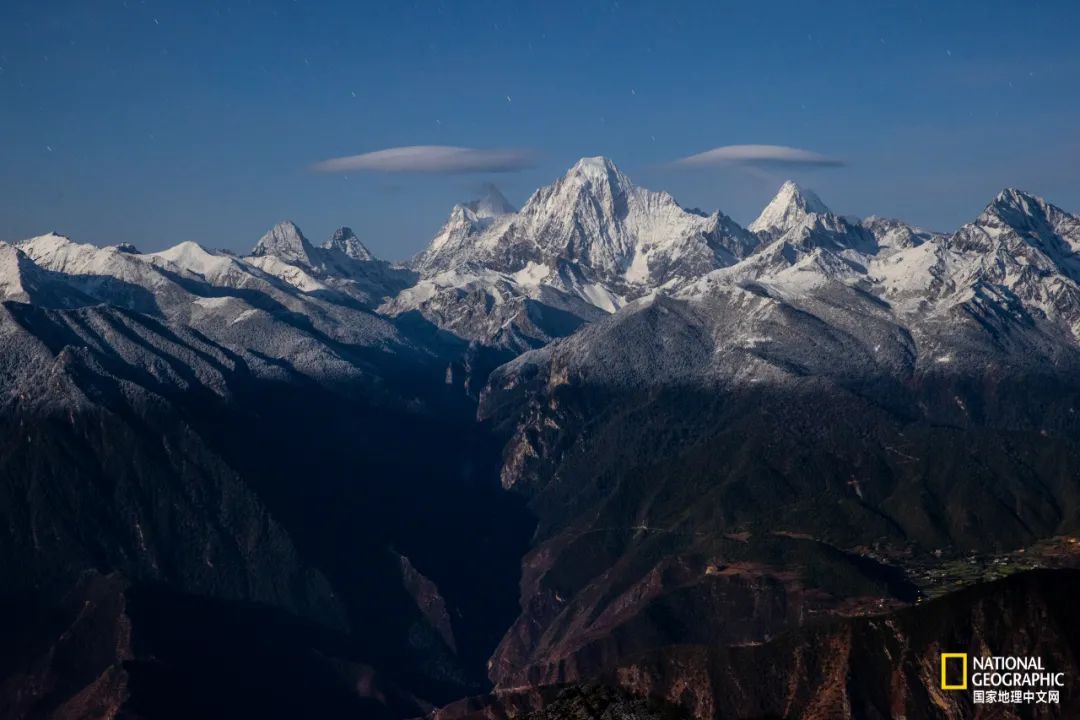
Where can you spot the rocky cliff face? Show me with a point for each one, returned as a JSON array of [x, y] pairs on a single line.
[[884, 666], [878, 666], [697, 505]]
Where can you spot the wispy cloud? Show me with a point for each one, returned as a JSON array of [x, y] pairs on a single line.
[[757, 156], [431, 159]]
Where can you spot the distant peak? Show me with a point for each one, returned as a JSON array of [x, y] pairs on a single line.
[[189, 246], [1014, 192], [790, 206], [1017, 198], [598, 169], [344, 240], [286, 228], [284, 241], [598, 162], [1011, 203], [491, 203], [342, 233], [793, 193], [1020, 209]]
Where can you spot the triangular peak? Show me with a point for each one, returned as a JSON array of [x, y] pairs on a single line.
[[1032, 218], [344, 240], [286, 242], [1014, 200], [789, 206], [490, 204], [598, 169]]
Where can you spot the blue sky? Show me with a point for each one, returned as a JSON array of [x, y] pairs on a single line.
[[158, 122]]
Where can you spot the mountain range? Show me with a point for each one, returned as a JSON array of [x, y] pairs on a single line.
[[592, 440]]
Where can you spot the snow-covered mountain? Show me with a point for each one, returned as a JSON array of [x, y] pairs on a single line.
[[791, 207], [890, 234], [343, 265], [592, 238], [291, 306], [824, 297], [593, 241], [466, 221], [491, 204], [344, 240], [829, 299], [577, 251], [595, 234]]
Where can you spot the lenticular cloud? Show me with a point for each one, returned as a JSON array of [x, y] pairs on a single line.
[[757, 155], [431, 159]]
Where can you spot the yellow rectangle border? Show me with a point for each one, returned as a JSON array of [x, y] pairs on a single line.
[[945, 685]]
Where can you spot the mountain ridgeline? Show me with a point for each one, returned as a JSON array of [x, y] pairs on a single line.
[[601, 451]]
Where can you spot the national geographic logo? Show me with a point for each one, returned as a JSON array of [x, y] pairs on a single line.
[[1001, 678], [958, 669]]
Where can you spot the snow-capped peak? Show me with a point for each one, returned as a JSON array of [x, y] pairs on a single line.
[[285, 241], [1017, 207], [597, 171], [593, 185], [466, 221], [790, 207], [1025, 212], [1017, 198], [1018, 215], [491, 204], [344, 240]]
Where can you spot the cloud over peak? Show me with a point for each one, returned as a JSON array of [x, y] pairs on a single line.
[[431, 159], [757, 155]]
